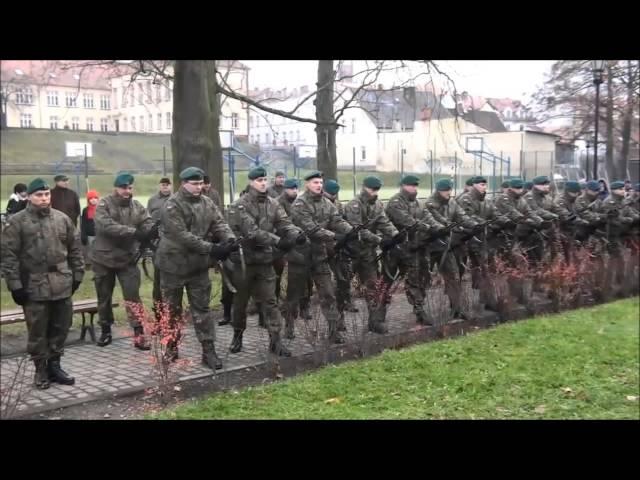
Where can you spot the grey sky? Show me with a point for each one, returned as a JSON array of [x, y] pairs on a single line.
[[490, 78]]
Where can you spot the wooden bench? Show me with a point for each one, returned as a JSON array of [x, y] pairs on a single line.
[[83, 307]]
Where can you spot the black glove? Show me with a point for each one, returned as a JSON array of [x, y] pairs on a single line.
[[75, 286], [232, 245], [301, 239], [140, 236], [84, 241], [388, 243], [219, 252], [479, 228], [154, 233], [20, 296], [285, 244]]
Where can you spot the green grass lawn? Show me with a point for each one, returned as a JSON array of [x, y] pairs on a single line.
[[581, 364]]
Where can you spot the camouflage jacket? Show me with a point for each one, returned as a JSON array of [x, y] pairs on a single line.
[[155, 204], [310, 211], [41, 252], [215, 197], [516, 210], [261, 220], [116, 220], [565, 207], [591, 214], [446, 212], [190, 223], [365, 210], [274, 191], [480, 208], [542, 205], [404, 211], [620, 216], [296, 254]]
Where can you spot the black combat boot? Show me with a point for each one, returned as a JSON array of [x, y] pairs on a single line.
[[139, 340], [227, 315], [289, 332], [57, 374], [276, 346], [105, 336], [261, 321], [209, 356], [236, 342], [421, 316], [378, 327], [41, 378], [342, 327], [350, 307], [334, 334]]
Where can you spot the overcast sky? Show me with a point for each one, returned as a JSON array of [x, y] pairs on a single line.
[[489, 78]]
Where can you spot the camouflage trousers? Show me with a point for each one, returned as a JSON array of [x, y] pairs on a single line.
[[48, 325], [198, 288], [321, 275], [414, 267], [451, 276], [342, 268], [105, 282], [259, 282]]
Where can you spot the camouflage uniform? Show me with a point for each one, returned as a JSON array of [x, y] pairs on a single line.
[[154, 207], [341, 265], [296, 257], [190, 223], [542, 205], [447, 212], [362, 210], [274, 191], [570, 223], [41, 253], [117, 219], [255, 216], [310, 211], [520, 222], [411, 255]]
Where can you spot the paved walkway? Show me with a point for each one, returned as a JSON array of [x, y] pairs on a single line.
[[120, 369]]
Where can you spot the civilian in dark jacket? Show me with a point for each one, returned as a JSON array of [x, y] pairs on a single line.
[[17, 201], [87, 225], [65, 199]]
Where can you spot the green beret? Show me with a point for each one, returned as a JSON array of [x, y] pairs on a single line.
[[469, 182], [257, 172], [314, 174], [593, 185], [516, 183], [505, 184], [280, 173], [541, 180], [410, 180], [572, 187], [192, 173], [291, 183], [372, 182], [331, 187], [616, 185], [37, 184], [123, 180], [60, 178], [528, 185], [478, 179], [444, 185]]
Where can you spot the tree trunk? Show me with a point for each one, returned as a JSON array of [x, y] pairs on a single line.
[[611, 167], [326, 135], [195, 140], [626, 123]]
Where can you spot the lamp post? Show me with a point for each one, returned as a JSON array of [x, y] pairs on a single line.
[[587, 161], [597, 68]]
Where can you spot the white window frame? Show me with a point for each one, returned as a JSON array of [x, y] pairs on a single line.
[[26, 120], [24, 96], [75, 123], [71, 100], [104, 125], [168, 121], [53, 122], [159, 122], [89, 124], [52, 98]]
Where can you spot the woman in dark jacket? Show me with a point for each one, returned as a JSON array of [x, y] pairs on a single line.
[[17, 201], [87, 225]]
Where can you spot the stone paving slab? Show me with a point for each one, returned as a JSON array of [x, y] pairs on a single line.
[[120, 369]]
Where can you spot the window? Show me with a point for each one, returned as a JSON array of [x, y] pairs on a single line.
[[149, 97], [90, 124], [284, 137], [53, 123], [25, 120], [167, 93], [141, 123], [291, 136], [159, 122], [52, 98], [75, 123], [132, 94], [353, 125], [125, 124], [104, 124], [24, 96], [133, 124], [105, 102], [168, 121], [87, 100], [364, 153], [158, 93], [234, 121], [140, 93], [251, 138], [298, 135], [150, 123], [70, 99], [258, 139], [258, 120], [267, 138], [251, 120], [115, 98]]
